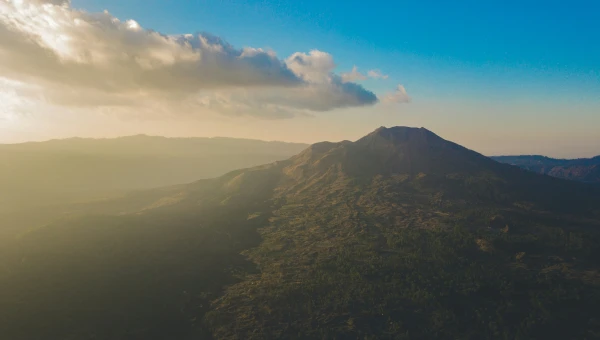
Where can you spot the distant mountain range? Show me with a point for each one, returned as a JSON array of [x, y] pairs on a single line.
[[582, 169], [78, 169], [398, 235]]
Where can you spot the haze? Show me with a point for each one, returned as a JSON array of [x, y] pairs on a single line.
[[219, 170], [500, 78]]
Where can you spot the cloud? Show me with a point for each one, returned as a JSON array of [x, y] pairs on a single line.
[[398, 96], [314, 67], [99, 51], [14, 99], [355, 75], [323, 90], [77, 59], [55, 2], [376, 74]]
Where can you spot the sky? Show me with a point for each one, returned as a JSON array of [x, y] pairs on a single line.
[[499, 77]]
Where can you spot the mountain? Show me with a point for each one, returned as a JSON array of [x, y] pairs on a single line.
[[581, 169], [72, 168], [57, 172], [398, 235]]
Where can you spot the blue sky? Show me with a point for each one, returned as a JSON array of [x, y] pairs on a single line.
[[499, 77], [496, 50]]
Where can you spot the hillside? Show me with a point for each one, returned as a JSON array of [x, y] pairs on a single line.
[[399, 235], [73, 168], [48, 175], [581, 169]]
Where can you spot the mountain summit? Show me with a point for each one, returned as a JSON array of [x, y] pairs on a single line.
[[400, 234], [392, 151], [412, 150], [417, 156], [402, 134]]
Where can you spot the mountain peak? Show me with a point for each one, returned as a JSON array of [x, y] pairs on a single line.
[[398, 129], [394, 150], [402, 133], [396, 135]]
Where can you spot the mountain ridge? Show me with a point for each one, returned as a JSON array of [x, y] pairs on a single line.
[[39, 179], [144, 136], [414, 152], [580, 169], [400, 234]]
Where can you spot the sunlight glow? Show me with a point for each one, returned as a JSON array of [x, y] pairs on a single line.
[[14, 104]]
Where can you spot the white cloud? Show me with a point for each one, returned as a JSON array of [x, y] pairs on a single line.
[[75, 58], [376, 74], [398, 96], [16, 99], [314, 67], [355, 75], [98, 50]]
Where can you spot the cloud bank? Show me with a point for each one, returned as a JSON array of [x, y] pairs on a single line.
[[79, 59]]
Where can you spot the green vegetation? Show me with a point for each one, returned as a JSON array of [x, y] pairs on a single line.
[[400, 235], [349, 276]]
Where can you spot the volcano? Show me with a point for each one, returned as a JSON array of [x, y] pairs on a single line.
[[400, 234]]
